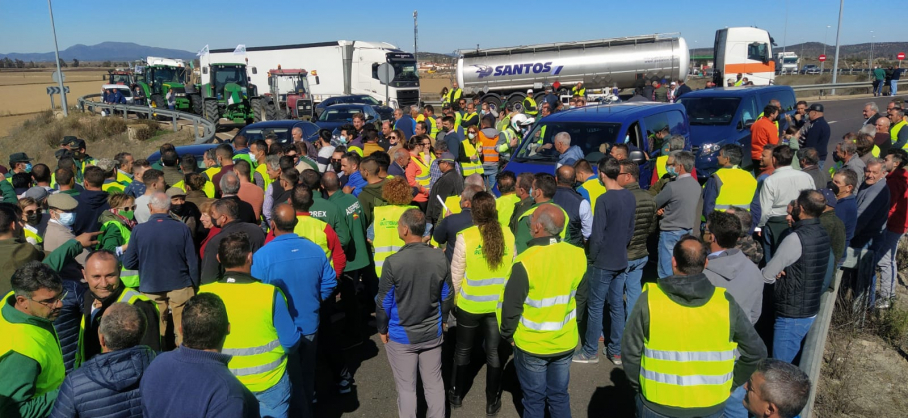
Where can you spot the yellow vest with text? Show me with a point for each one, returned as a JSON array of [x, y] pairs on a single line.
[[314, 230], [894, 132], [688, 360], [547, 324], [738, 188], [482, 286], [387, 241], [259, 360], [595, 188], [131, 296], [506, 205], [470, 167], [130, 278], [38, 344]]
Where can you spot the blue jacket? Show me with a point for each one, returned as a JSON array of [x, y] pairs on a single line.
[[407, 125], [357, 182], [847, 210], [571, 156], [107, 386], [163, 252], [454, 139], [135, 189], [116, 97], [818, 137], [91, 204], [300, 269]]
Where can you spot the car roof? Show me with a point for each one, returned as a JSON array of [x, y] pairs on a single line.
[[354, 105], [271, 124], [618, 112], [732, 91], [116, 86]]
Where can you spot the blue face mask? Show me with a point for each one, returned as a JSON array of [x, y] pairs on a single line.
[[67, 218], [671, 171], [28, 167]]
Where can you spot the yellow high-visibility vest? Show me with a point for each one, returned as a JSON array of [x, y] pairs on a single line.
[[470, 167], [130, 278], [482, 286], [506, 205], [37, 343], [894, 132], [262, 169], [595, 189], [208, 188], [130, 296], [689, 366], [424, 177], [314, 230], [738, 188], [387, 242]]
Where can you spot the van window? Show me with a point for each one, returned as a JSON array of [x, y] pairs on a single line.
[[711, 110], [634, 137], [588, 136], [676, 123], [749, 110], [786, 99]]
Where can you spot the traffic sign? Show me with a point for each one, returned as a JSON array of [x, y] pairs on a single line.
[[822, 57], [900, 56], [56, 90], [385, 73], [56, 76]]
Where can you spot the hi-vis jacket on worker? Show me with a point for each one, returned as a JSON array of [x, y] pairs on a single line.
[[727, 187], [482, 286], [493, 145]]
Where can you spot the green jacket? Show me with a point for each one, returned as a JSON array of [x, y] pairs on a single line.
[[20, 373], [110, 238], [14, 253], [330, 213], [369, 198], [9, 194], [358, 252]]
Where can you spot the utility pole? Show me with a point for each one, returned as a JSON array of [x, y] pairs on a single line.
[[872, 36], [415, 38], [838, 32], [57, 55], [825, 34]]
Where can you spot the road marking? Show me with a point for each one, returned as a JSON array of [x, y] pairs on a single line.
[[832, 121]]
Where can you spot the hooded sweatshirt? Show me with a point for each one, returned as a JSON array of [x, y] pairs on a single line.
[[732, 270], [369, 198], [91, 204]]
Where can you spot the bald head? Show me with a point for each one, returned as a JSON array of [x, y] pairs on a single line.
[[565, 175], [284, 218], [547, 221], [330, 182], [689, 256], [474, 180]]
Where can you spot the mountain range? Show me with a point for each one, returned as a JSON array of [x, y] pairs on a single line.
[[104, 51]]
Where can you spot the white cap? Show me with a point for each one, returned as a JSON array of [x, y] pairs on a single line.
[[530, 91]]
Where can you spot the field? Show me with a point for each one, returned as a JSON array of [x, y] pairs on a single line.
[[25, 92]]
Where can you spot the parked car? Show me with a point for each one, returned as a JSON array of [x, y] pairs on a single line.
[[810, 69], [385, 112], [124, 90], [335, 116], [724, 115]]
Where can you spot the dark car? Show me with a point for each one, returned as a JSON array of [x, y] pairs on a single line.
[[724, 115], [385, 112], [335, 116], [253, 132]]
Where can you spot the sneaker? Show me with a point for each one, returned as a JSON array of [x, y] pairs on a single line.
[[345, 386], [882, 304], [614, 359], [581, 357]]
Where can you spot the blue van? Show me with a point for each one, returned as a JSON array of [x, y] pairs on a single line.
[[722, 116], [633, 123]]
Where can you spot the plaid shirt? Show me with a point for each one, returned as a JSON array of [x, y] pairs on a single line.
[[436, 173]]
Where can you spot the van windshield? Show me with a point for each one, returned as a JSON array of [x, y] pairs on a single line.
[[538, 145], [711, 110]]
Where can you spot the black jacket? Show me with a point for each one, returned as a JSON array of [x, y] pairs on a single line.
[[797, 295], [91, 204], [449, 184], [818, 137], [211, 268], [644, 221], [682, 90], [106, 386], [246, 212], [92, 347], [692, 291], [569, 200]]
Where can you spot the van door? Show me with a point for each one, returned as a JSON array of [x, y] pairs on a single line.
[[747, 115]]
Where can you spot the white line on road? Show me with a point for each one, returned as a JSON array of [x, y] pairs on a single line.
[[832, 121]]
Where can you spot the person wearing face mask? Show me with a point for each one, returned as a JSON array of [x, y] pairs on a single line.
[[80, 157], [542, 191], [61, 208], [677, 204], [32, 216], [19, 163], [116, 228], [469, 157], [187, 212]]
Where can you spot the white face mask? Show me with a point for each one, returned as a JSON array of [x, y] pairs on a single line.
[[471, 136]]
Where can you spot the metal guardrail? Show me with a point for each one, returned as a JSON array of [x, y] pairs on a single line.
[[208, 128], [815, 341], [830, 86]]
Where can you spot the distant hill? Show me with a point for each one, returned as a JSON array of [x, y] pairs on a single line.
[[812, 50], [105, 51]]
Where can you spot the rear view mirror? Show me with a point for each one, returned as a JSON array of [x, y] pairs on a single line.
[[637, 156], [204, 70], [254, 70]]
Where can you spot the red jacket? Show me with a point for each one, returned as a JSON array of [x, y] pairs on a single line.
[[761, 133], [334, 245], [897, 181]]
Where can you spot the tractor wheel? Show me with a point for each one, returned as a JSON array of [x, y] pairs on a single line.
[[258, 110], [196, 105], [273, 113], [210, 111], [157, 101]]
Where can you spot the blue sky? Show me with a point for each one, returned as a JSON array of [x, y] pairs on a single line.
[[191, 24]]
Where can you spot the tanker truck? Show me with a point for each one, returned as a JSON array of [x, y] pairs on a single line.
[[503, 75]]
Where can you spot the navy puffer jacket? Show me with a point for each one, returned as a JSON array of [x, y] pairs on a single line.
[[107, 386]]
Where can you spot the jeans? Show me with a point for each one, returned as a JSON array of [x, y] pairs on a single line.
[[602, 284], [490, 172], [644, 412], [878, 90], [544, 379], [734, 406], [788, 335], [667, 241], [301, 369], [893, 87], [886, 261], [632, 283], [821, 163], [274, 402], [469, 327]]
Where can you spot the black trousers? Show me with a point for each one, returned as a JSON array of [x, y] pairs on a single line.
[[469, 325]]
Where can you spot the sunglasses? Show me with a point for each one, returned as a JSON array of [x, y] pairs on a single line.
[[32, 212], [335, 161], [392, 137]]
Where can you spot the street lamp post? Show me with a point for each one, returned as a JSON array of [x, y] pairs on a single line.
[[57, 55], [825, 34], [872, 36], [838, 32]]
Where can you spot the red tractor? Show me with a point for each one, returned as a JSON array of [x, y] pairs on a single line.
[[121, 77], [288, 96]]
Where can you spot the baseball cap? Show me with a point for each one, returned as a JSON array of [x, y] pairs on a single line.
[[447, 157], [70, 141], [62, 201], [175, 191], [530, 91], [816, 107], [19, 157], [830, 197], [38, 193]]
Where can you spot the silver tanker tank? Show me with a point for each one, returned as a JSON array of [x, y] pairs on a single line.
[[506, 73]]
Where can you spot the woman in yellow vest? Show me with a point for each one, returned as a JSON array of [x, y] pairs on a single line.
[[116, 228], [480, 268], [383, 231], [417, 171], [470, 161], [31, 218]]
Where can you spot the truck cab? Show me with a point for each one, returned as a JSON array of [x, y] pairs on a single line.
[[633, 123], [746, 51], [403, 89], [722, 116]]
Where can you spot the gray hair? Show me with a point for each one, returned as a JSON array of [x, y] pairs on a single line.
[[809, 155], [785, 386], [123, 326], [414, 220], [684, 159], [563, 138], [469, 191], [160, 202], [230, 184], [873, 106], [676, 143], [441, 146], [211, 154], [551, 226], [401, 153], [868, 129], [849, 147], [475, 180], [297, 129], [273, 161], [872, 161]]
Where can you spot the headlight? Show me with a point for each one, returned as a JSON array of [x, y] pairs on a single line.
[[709, 148]]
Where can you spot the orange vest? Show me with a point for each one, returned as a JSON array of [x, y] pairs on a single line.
[[489, 148]]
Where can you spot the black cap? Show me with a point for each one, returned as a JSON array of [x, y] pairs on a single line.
[[19, 157], [816, 107], [72, 142]]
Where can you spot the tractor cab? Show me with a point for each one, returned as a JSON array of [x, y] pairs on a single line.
[[228, 93], [289, 91], [121, 77], [162, 77]]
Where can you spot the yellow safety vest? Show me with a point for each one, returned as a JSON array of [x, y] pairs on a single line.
[[259, 360], [208, 188], [433, 126], [470, 167], [469, 117], [506, 205], [529, 106], [482, 286], [547, 324], [457, 120], [123, 178], [247, 158], [356, 149], [689, 366], [113, 187], [262, 169], [130, 278], [738, 188], [453, 96], [660, 166], [129, 295], [424, 177], [563, 234], [595, 188], [894, 132], [314, 230], [581, 91], [739, 83], [32, 232], [39, 344], [386, 242]]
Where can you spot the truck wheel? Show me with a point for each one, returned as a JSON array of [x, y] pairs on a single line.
[[492, 100], [210, 111], [196, 105], [513, 100], [258, 110]]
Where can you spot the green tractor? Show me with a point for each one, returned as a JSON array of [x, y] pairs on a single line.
[[157, 79], [229, 94]]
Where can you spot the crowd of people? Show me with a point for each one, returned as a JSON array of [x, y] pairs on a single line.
[[183, 288]]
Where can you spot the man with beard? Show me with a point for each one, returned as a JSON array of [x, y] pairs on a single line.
[[102, 273]]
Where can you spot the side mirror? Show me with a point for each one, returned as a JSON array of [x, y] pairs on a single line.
[[637, 156], [370, 117], [254, 70], [204, 70], [316, 80]]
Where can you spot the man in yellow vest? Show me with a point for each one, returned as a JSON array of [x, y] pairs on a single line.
[[739, 80], [125, 161], [679, 343], [590, 185], [537, 314], [261, 329], [31, 360], [729, 185], [529, 105], [259, 151], [471, 117], [433, 122], [102, 275], [898, 133], [453, 95], [578, 90], [508, 201]]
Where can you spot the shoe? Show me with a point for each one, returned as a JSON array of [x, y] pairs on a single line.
[[581, 357], [882, 304], [493, 408], [614, 359], [345, 386]]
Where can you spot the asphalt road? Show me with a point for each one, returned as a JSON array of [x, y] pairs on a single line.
[[595, 389]]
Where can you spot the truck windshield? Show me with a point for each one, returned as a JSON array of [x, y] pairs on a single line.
[[165, 74], [790, 60], [405, 71], [225, 75], [710, 110], [538, 144]]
